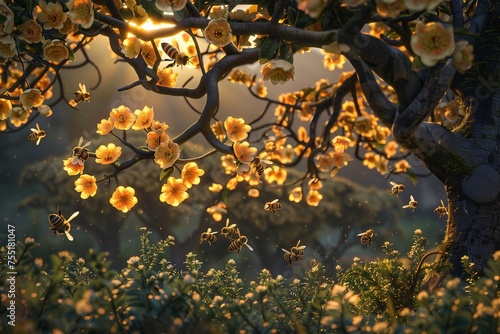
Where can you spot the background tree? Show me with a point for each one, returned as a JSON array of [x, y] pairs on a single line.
[[414, 77]]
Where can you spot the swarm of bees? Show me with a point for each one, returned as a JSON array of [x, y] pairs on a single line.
[[366, 237], [396, 188], [59, 225], [273, 206], [441, 210], [260, 164], [80, 153], [37, 134], [294, 254], [412, 204], [237, 241], [208, 236], [172, 50], [81, 95]]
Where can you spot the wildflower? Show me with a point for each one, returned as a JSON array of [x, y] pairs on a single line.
[[463, 56], [31, 32], [173, 192], [155, 138], [391, 148], [313, 8], [432, 42], [167, 77], [191, 174], [217, 211], [144, 118], [105, 126], [236, 128], [81, 12], [108, 154], [243, 152], [123, 199], [313, 198], [7, 23], [218, 32], [401, 166], [122, 118], [147, 53], [167, 153], [31, 97], [295, 195], [7, 46], [131, 47], [86, 185], [278, 71], [55, 50], [72, 169], [5, 109], [275, 174], [50, 14], [170, 5]]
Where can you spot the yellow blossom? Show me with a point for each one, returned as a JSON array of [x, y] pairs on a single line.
[[278, 71], [3, 125], [313, 197], [391, 148], [131, 47], [315, 184], [81, 12], [401, 166], [51, 15], [167, 77], [55, 50], [218, 32], [228, 163], [191, 174], [217, 211], [31, 98], [236, 128], [123, 199], [432, 42], [5, 109], [215, 188], [105, 126], [45, 110], [170, 5], [144, 118], [371, 160], [7, 46], [108, 154], [295, 195], [122, 118], [167, 153], [72, 169], [275, 174], [19, 116], [7, 23], [340, 159], [331, 61], [340, 143], [31, 31], [155, 138], [147, 53], [86, 185], [463, 56], [323, 162], [313, 8], [173, 192], [243, 152]]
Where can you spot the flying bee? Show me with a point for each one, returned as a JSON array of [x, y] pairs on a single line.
[[366, 236], [229, 230], [260, 165], [208, 236], [290, 257], [37, 134], [441, 210], [412, 204], [396, 188], [59, 225], [80, 153], [238, 243], [273, 206], [177, 57], [298, 250], [81, 95]]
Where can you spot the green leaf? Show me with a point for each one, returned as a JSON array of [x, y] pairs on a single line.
[[285, 52], [292, 14], [268, 47], [411, 175], [166, 173]]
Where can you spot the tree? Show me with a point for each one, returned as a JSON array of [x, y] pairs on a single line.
[[426, 72]]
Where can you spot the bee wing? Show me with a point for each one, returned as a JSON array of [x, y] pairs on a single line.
[[406, 206], [73, 216], [276, 213], [361, 234], [249, 247], [38, 140], [442, 203], [34, 130], [275, 201], [69, 236], [286, 251], [175, 44], [411, 198], [298, 243], [82, 87], [393, 183], [80, 141]]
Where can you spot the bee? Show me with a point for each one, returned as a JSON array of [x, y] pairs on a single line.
[[80, 153], [81, 95], [37, 134], [229, 230], [366, 236], [260, 165], [273, 206], [59, 225], [441, 210], [290, 257], [177, 57], [238, 243], [298, 250], [396, 188], [412, 204], [208, 236]]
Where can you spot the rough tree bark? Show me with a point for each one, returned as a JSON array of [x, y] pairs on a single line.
[[467, 159]]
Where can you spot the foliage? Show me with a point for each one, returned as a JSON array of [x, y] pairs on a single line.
[[151, 295]]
